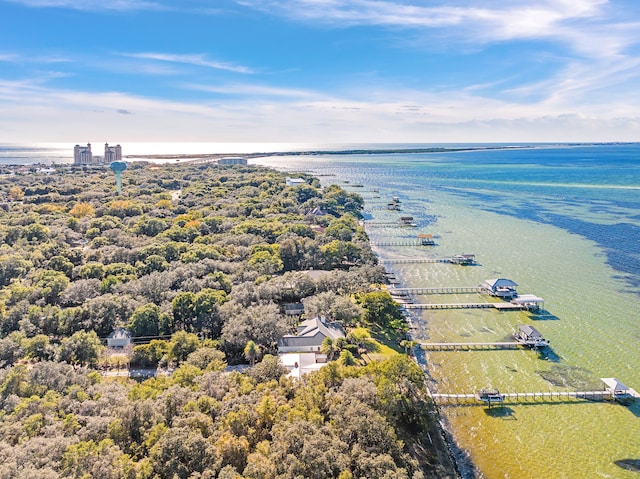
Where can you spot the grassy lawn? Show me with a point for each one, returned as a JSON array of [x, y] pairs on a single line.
[[381, 345]]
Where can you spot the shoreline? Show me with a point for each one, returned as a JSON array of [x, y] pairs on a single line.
[[358, 151]]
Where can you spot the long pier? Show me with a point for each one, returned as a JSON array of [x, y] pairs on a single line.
[[415, 260], [399, 242], [498, 306], [527, 397], [470, 346], [515, 398], [613, 390], [442, 290]]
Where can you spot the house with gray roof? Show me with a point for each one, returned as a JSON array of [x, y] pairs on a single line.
[[310, 335]]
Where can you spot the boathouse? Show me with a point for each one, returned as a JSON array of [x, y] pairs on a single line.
[[530, 336], [426, 239], [406, 221], [500, 288], [463, 259], [530, 302], [619, 391]]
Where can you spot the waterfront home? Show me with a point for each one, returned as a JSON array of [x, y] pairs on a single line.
[[500, 288], [301, 352], [309, 337]]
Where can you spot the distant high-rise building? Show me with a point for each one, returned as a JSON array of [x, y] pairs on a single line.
[[82, 155], [112, 153]]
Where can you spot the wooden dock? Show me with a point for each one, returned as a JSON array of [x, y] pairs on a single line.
[[498, 306], [613, 390], [442, 290], [415, 260], [470, 346], [398, 243], [521, 397]]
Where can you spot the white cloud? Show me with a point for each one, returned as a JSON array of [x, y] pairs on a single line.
[[590, 27], [254, 90], [32, 112], [195, 59]]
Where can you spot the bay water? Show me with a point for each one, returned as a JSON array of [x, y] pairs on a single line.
[[564, 223]]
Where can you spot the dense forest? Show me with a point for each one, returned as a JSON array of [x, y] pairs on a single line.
[[197, 262]]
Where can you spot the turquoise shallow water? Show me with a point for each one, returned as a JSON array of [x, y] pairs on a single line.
[[564, 224]]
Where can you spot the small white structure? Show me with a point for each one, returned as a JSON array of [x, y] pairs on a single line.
[[619, 391], [232, 160], [531, 302], [299, 364], [295, 181], [120, 338]]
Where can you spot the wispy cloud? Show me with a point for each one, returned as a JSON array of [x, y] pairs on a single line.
[[254, 90], [381, 115], [589, 26], [196, 59], [92, 5]]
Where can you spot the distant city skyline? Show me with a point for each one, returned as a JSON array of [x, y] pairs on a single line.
[[83, 155], [322, 71]]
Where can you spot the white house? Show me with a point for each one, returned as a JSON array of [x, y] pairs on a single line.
[[294, 181], [120, 338]]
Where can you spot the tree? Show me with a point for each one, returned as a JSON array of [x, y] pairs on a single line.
[[82, 209], [38, 348], [346, 358], [269, 369], [251, 352], [328, 347], [209, 359], [52, 284], [182, 344], [145, 320], [380, 309], [16, 193], [81, 348]]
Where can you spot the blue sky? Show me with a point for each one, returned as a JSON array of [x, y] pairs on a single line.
[[324, 71]]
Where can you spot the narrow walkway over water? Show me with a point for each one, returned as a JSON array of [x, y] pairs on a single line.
[[471, 346], [498, 306], [613, 390], [440, 290]]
